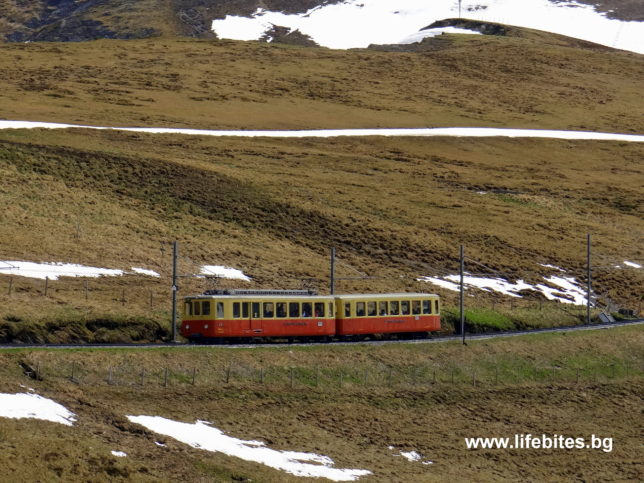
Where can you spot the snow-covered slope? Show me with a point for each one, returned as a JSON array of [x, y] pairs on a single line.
[[358, 23]]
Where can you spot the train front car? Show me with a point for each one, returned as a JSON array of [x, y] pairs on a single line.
[[235, 315], [358, 315]]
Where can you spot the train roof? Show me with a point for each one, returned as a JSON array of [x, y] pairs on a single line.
[[367, 296], [261, 296], [280, 296]]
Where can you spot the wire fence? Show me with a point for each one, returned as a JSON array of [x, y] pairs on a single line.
[[279, 378]]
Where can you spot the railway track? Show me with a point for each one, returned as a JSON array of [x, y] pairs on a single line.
[[433, 340]]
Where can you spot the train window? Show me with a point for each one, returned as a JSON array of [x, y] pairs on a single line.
[[436, 310], [220, 310], [307, 309], [319, 309], [404, 307], [347, 309], [236, 310], [188, 309], [331, 311], [245, 310], [415, 307], [205, 308], [394, 308], [197, 308], [268, 309], [360, 309], [371, 309], [427, 306], [256, 310], [294, 309], [280, 309], [383, 308]]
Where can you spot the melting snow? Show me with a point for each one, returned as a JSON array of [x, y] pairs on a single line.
[[567, 291], [440, 283], [25, 405], [144, 271], [418, 36], [358, 23], [552, 266], [328, 133], [410, 455], [53, 270], [495, 284], [201, 435], [119, 454], [224, 272], [632, 264]]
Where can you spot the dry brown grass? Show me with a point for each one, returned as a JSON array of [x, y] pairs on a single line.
[[484, 81], [353, 423], [395, 209]]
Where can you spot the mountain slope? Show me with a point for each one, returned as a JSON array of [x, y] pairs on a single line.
[[475, 81], [332, 23]]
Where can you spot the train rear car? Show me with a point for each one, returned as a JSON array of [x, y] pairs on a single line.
[[393, 313], [243, 314]]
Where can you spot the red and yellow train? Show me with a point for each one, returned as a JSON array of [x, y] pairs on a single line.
[[236, 315]]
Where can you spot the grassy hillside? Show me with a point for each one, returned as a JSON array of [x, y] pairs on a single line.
[[395, 209], [490, 81], [423, 398]]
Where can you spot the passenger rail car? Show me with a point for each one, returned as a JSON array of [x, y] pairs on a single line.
[[219, 315], [257, 313], [362, 314]]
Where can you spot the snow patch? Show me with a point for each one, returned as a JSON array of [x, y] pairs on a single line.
[[494, 284], [119, 454], [410, 455], [418, 36], [53, 270], [145, 271], [358, 23], [224, 272], [477, 132], [567, 289], [201, 435], [33, 406], [632, 264], [552, 266], [440, 283]]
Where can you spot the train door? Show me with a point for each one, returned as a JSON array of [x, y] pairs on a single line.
[[255, 317]]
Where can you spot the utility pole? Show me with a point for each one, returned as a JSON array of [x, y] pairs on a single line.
[[588, 278], [332, 271], [462, 301], [175, 289], [459, 8]]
